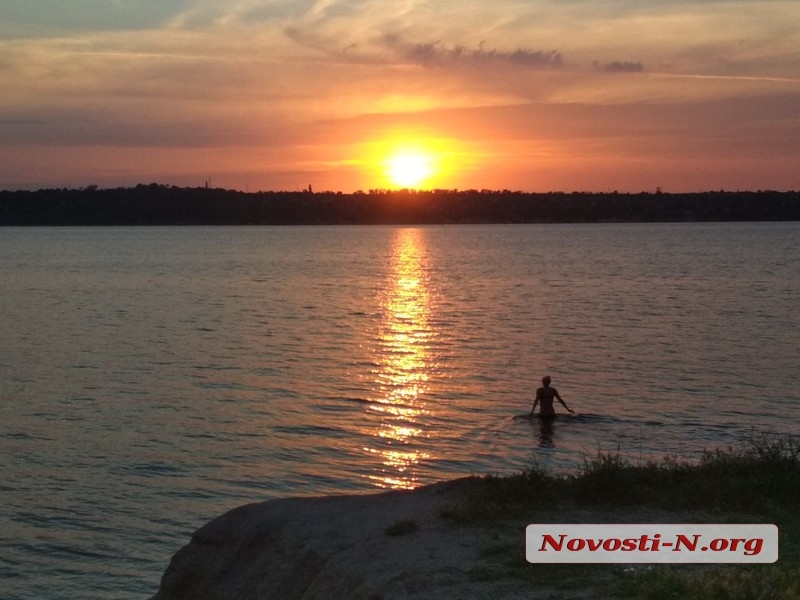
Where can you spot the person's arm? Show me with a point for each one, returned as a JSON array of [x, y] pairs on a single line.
[[564, 404], [535, 402]]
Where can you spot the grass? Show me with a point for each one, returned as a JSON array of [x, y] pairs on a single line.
[[760, 477], [756, 582], [757, 482], [401, 527]]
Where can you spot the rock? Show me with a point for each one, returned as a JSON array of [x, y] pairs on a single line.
[[339, 548]]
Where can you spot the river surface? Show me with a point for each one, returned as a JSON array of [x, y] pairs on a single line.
[[152, 378]]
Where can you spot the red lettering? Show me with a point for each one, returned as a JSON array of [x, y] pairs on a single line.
[[594, 545], [576, 545], [753, 547], [555, 545], [719, 544], [612, 545], [656, 542], [629, 545], [682, 539]]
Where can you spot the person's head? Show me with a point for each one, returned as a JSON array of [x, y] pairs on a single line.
[[546, 380]]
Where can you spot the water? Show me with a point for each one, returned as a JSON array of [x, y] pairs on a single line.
[[153, 378]]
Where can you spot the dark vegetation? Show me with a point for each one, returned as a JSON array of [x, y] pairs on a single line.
[[163, 205], [761, 475], [758, 482], [402, 527]]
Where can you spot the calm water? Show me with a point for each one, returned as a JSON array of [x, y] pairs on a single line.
[[153, 378]]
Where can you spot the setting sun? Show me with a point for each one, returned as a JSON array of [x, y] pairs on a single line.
[[409, 169], [413, 161]]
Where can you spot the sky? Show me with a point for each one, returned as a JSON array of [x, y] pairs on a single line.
[[346, 95]]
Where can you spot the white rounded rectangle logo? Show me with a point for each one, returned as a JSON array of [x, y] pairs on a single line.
[[646, 543]]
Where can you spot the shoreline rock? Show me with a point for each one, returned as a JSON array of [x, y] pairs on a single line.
[[338, 547], [384, 546]]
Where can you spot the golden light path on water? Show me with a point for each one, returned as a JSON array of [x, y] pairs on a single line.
[[404, 363]]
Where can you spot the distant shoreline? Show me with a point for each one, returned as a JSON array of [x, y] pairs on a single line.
[[156, 204]]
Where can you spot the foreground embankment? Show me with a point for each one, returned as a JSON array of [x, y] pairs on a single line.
[[466, 538], [391, 545]]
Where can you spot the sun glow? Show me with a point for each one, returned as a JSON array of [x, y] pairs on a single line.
[[409, 169], [411, 162]]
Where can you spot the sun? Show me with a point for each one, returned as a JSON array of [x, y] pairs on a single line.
[[409, 168], [408, 161]]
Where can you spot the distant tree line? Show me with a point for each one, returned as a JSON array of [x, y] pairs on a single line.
[[168, 205]]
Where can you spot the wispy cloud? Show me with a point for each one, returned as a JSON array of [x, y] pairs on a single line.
[[620, 66], [440, 54], [733, 78]]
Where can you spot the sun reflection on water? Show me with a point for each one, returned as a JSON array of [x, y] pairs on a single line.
[[404, 362]]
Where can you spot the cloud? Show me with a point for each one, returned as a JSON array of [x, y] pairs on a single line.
[[140, 127], [340, 49], [437, 53], [392, 50], [616, 66], [440, 54]]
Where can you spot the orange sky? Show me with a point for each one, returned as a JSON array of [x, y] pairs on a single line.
[[536, 96]]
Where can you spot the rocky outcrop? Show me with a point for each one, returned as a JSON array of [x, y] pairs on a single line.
[[394, 545]]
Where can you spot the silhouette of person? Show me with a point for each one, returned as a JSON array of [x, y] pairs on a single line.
[[546, 431], [544, 398]]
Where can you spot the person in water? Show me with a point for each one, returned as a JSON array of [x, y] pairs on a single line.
[[544, 398]]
